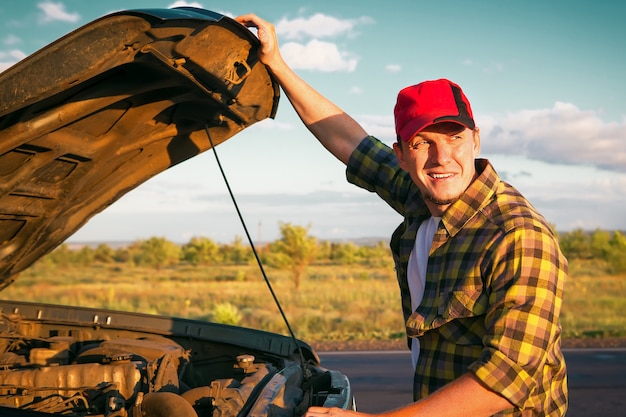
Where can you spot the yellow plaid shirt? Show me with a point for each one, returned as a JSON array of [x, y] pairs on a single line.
[[494, 286]]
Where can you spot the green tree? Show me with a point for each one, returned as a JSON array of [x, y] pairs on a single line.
[[61, 256], [344, 253], [600, 243], [157, 252], [84, 256], [236, 253], [377, 255], [123, 255], [576, 244], [201, 251], [103, 253], [324, 250], [295, 250], [616, 258]]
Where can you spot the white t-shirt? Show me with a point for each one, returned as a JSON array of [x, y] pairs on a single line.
[[416, 271]]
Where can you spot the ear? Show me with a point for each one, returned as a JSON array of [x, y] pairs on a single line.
[[397, 148], [476, 134]]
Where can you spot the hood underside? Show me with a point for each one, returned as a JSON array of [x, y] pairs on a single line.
[[103, 109]]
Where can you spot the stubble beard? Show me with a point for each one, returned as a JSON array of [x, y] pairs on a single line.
[[439, 202]]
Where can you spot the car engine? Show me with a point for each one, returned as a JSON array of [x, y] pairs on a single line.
[[74, 373]]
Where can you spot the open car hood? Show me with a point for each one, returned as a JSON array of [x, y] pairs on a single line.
[[100, 111]]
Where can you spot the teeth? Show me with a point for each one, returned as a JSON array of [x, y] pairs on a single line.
[[438, 176]]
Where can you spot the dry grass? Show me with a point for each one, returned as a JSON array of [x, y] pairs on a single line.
[[334, 303], [594, 306]]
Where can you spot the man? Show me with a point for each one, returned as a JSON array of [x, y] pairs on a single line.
[[480, 272]]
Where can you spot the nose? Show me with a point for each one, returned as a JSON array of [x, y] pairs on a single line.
[[440, 153]]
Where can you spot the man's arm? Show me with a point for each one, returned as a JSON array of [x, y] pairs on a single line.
[[465, 396], [335, 130]]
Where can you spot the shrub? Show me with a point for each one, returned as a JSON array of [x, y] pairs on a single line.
[[226, 313]]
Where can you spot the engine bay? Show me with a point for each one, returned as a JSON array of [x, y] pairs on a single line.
[[100, 372]]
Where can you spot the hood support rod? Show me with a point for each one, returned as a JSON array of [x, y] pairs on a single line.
[[254, 251]]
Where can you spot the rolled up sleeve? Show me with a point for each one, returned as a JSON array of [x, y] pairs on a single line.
[[522, 319]]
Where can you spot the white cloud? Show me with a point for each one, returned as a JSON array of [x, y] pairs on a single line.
[[11, 40], [382, 127], [12, 55], [318, 26], [594, 201], [493, 68], [318, 55], [272, 124], [315, 54], [7, 59], [181, 3], [56, 11], [5, 65], [563, 134], [393, 68]]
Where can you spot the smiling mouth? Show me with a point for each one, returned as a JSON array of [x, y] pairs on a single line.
[[440, 176]]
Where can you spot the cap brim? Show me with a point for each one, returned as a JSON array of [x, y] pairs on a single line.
[[417, 125]]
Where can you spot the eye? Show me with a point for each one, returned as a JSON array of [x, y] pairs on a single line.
[[419, 145]]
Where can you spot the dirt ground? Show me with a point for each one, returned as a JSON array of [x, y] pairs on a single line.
[[401, 344]]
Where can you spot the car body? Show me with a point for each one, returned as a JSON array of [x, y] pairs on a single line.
[[83, 121]]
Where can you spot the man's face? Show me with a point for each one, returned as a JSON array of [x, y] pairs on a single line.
[[440, 160]]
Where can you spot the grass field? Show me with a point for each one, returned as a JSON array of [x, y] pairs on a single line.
[[333, 303]]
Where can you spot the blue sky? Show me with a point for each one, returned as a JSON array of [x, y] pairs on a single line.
[[546, 80]]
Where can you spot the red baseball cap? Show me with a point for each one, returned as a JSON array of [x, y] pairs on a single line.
[[430, 102]]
